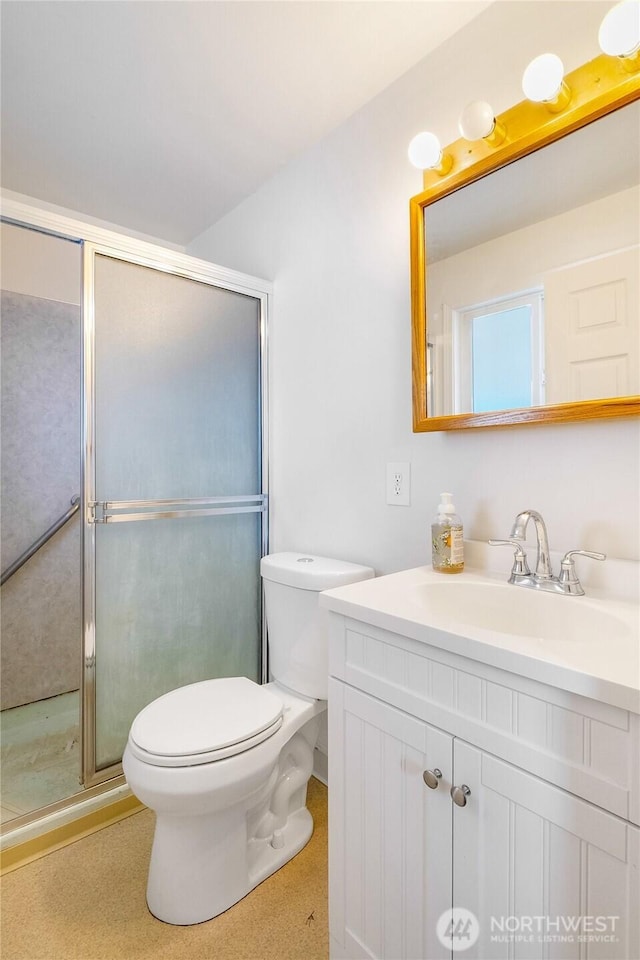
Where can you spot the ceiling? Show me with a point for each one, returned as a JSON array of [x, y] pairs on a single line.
[[162, 116]]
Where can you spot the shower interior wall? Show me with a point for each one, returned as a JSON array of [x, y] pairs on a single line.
[[41, 349]]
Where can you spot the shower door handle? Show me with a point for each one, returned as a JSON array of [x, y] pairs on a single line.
[[125, 511]]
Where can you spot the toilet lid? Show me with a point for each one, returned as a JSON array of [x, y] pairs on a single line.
[[213, 715]]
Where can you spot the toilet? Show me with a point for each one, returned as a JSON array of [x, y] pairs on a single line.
[[224, 764]]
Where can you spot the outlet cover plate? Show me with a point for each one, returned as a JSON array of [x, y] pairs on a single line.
[[399, 484]]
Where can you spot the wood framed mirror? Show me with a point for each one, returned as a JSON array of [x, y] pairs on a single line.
[[525, 265]]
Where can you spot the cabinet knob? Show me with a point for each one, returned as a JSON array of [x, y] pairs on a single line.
[[431, 777], [459, 795]]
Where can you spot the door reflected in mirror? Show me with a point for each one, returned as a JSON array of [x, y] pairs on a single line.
[[532, 279]]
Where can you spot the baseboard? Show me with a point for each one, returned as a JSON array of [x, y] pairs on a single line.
[[321, 766]]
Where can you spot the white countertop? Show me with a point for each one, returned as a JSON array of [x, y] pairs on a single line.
[[603, 665]]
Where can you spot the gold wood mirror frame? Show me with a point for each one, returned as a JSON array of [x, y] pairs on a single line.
[[597, 88]]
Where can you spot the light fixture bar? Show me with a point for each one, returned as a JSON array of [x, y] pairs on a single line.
[[594, 86]]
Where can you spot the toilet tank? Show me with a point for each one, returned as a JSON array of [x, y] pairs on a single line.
[[297, 627]]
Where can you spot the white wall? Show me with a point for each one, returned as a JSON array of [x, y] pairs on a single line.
[[331, 229], [39, 265]]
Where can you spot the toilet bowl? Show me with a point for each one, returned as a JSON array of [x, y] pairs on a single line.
[[225, 763]]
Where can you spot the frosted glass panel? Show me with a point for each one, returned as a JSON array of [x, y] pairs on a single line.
[[176, 601], [177, 386], [177, 417]]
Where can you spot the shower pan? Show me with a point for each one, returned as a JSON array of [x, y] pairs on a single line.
[[170, 509]]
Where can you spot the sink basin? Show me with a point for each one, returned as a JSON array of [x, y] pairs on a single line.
[[519, 611], [589, 645]]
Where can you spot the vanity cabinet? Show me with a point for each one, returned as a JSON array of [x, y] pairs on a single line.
[[545, 831]]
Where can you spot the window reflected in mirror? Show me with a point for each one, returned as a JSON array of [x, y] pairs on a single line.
[[495, 355]]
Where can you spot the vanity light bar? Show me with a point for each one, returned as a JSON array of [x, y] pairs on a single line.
[[543, 84], [593, 88]]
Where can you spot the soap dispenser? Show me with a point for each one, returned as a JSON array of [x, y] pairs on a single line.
[[447, 545]]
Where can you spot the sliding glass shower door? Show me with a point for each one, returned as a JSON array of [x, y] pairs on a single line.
[[175, 490]]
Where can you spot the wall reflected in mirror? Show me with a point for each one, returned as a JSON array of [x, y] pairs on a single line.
[[533, 292]]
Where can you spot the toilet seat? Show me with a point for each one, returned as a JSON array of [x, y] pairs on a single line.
[[206, 721]]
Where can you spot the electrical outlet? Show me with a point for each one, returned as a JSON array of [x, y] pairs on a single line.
[[399, 484]]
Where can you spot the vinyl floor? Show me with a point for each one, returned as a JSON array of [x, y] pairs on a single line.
[[87, 902]]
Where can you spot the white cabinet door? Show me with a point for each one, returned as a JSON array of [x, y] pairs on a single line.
[[389, 834], [530, 861]]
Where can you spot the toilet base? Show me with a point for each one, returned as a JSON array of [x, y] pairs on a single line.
[[186, 884], [202, 864], [265, 860]]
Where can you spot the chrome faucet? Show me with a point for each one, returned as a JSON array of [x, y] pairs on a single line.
[[543, 578], [519, 532]]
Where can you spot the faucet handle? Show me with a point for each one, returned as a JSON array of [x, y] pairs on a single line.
[[520, 564], [568, 570], [509, 543], [582, 553]]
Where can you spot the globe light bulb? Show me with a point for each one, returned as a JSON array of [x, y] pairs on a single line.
[[619, 34], [477, 120], [425, 151], [542, 80]]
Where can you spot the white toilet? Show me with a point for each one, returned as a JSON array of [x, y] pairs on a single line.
[[225, 763]]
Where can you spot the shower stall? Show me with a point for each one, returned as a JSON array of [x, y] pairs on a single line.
[[134, 487], [40, 614]]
